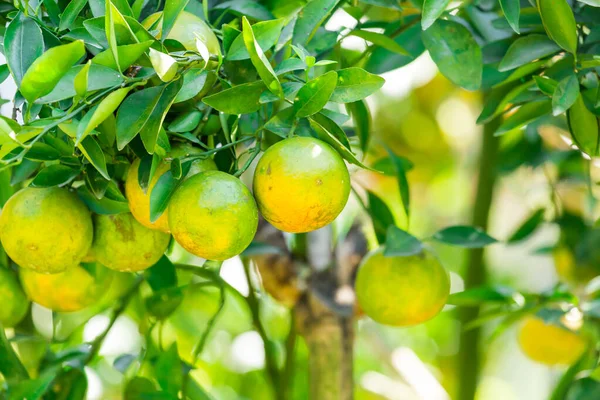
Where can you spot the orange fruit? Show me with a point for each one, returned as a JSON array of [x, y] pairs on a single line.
[[46, 229], [123, 244], [74, 289], [14, 302], [301, 184], [139, 202], [550, 344], [401, 291], [213, 215]]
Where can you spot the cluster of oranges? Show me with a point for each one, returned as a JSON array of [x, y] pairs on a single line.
[[301, 184]]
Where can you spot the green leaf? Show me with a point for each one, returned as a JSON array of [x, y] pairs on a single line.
[[144, 112], [333, 128], [71, 12], [161, 194], [170, 13], [194, 80], [381, 40], [54, 175], [362, 122], [432, 10], [381, 216], [527, 49], [546, 85], [44, 74], [565, 95], [455, 52], [186, 122], [524, 115], [260, 62], [106, 107], [401, 167], [315, 94], [113, 19], [382, 60], [528, 227], [479, 295], [266, 34], [80, 83], [23, 44], [161, 275], [310, 18], [354, 84], [164, 65], [289, 65], [512, 9], [4, 72], [163, 303], [464, 236], [42, 152], [583, 125], [559, 22], [240, 99], [128, 54], [329, 136], [401, 243], [99, 77], [101, 206], [94, 154]]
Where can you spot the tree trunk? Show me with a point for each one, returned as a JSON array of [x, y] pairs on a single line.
[[469, 358]]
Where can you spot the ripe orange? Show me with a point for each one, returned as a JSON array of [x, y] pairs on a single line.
[[301, 184], [550, 344], [123, 244], [46, 229], [213, 215], [139, 202], [14, 302], [74, 289], [401, 291]]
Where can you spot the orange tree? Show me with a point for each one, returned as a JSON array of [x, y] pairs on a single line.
[[134, 120]]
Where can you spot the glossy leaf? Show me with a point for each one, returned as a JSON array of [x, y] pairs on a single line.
[[103, 205], [464, 236], [583, 125], [71, 12], [559, 22], [354, 84], [240, 99], [127, 55], [432, 10], [455, 52], [315, 94], [565, 94], [260, 62], [23, 44], [362, 122], [524, 115], [401, 167], [99, 77], [401, 243], [164, 65], [512, 10], [94, 154], [54, 175], [194, 81], [144, 112], [381, 216], [381, 40], [479, 295], [106, 107], [310, 18], [80, 83], [266, 34], [171, 11], [326, 134], [527, 49], [45, 73]]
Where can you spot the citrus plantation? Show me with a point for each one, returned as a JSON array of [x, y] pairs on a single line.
[[221, 199]]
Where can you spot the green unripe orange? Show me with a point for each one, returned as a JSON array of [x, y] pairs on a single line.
[[14, 302]]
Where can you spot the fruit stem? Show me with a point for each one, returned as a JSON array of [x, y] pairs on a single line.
[[469, 358], [10, 365]]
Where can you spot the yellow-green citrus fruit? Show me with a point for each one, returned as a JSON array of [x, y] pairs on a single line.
[[123, 244], [74, 289], [139, 202], [185, 30], [46, 229], [550, 344], [301, 184], [14, 302], [569, 271], [213, 215], [401, 291]]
